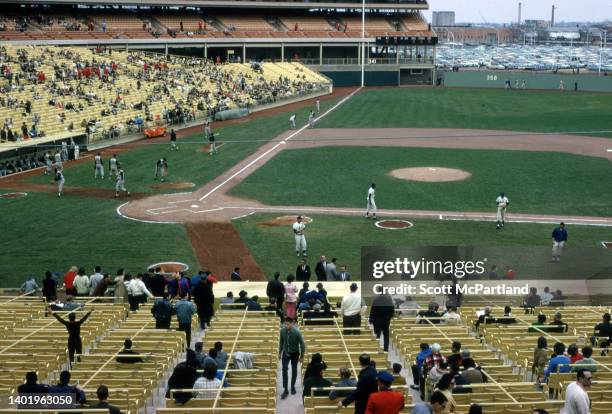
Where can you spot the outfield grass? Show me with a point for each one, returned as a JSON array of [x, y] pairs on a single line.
[[535, 111], [343, 237], [188, 164], [535, 182], [42, 232]]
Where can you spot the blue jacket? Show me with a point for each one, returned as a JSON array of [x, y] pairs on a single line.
[[555, 362], [421, 356], [185, 309]]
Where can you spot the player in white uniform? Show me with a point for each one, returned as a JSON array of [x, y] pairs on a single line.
[[502, 203], [300, 239], [371, 206], [60, 180], [112, 167], [64, 151], [311, 119], [120, 185], [161, 169], [292, 121], [318, 104], [98, 166], [58, 160], [48, 163]]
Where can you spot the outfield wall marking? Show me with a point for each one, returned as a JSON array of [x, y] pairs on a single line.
[[299, 131]]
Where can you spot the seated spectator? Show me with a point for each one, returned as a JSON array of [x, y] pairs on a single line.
[[436, 404], [558, 322], [435, 358], [603, 331], [253, 304], [485, 317], [207, 386], [454, 359], [320, 315], [559, 362], [546, 297], [507, 318], [437, 372], [532, 299], [302, 293], [431, 312], [540, 358], [586, 362], [451, 317], [574, 355], [418, 366], [29, 286], [316, 380], [228, 299], [398, 378], [408, 307], [221, 358], [127, 350], [471, 374], [466, 356], [541, 319], [31, 385], [309, 304], [63, 387], [242, 297], [200, 356], [183, 377], [102, 393], [345, 381], [316, 361], [445, 386]]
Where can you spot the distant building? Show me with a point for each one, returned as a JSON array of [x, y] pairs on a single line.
[[563, 33], [477, 35], [537, 24], [443, 18]]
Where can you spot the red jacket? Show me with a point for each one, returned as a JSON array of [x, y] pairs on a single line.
[[385, 402]]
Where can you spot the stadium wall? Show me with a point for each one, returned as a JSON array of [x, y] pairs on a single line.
[[492, 79], [379, 75]]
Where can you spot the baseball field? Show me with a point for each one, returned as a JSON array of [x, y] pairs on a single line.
[[546, 150]]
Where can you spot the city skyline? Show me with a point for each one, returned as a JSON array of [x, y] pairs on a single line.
[[504, 11]]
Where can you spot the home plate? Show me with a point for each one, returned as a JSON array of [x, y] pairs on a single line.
[[194, 206]]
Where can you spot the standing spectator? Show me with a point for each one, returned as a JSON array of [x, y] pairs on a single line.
[[69, 280], [417, 368], [103, 286], [330, 271], [576, 397], [49, 289], [291, 291], [139, 292], [351, 311], [120, 287], [276, 290], [540, 358], [81, 283], [302, 272], [235, 276], [204, 299], [162, 311], [345, 381], [75, 344], [343, 275], [559, 238], [381, 313], [183, 377], [185, 310], [532, 300], [366, 385], [321, 269], [102, 393], [385, 401], [291, 348], [29, 286], [158, 283]]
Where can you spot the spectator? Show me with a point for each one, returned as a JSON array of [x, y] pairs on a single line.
[[316, 380], [485, 317], [408, 307], [183, 377], [103, 286], [242, 297], [381, 313], [290, 297], [302, 272], [471, 374], [200, 356], [576, 397], [102, 393], [398, 379], [603, 331], [431, 312], [435, 358], [158, 283], [63, 387], [345, 382], [162, 311], [558, 362], [540, 358], [445, 386], [557, 321], [276, 290], [75, 344], [451, 317], [49, 289], [204, 299], [454, 359], [546, 297], [253, 304], [316, 361], [185, 310], [586, 362], [533, 299], [69, 280], [208, 385], [291, 348], [138, 291], [221, 358], [29, 286], [437, 372], [475, 409], [385, 401], [235, 275], [424, 352], [31, 385], [228, 299], [127, 350], [303, 292], [366, 385], [81, 283], [436, 404], [574, 355], [351, 311], [95, 279]]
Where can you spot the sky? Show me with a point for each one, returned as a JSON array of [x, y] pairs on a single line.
[[506, 11]]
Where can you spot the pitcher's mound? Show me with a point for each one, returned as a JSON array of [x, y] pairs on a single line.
[[167, 268], [161, 186], [283, 221], [393, 224], [430, 174]]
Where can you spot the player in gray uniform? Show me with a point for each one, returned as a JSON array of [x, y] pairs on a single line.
[[371, 203], [120, 185], [502, 203], [48, 163], [64, 151], [58, 160], [112, 167], [98, 166], [60, 180], [161, 169], [311, 119]]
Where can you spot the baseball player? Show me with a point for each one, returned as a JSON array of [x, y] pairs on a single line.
[[58, 160], [300, 239], [292, 121], [112, 167], [60, 180], [161, 169], [318, 105], [311, 119], [371, 206], [120, 185], [48, 163], [212, 145], [98, 166], [559, 238], [64, 151], [502, 203], [173, 146]]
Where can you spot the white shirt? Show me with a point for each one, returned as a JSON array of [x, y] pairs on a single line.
[[371, 192], [94, 280], [292, 118], [58, 157], [451, 318], [351, 304], [576, 400], [81, 284], [545, 298], [502, 200], [98, 160], [113, 162], [211, 387], [298, 228], [136, 287]]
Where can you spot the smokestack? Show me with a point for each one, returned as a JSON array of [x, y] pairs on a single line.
[[552, 18], [519, 16]]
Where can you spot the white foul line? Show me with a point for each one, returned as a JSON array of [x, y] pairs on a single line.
[[299, 131], [250, 214]]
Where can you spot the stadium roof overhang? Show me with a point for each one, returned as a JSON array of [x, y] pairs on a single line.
[[255, 4]]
